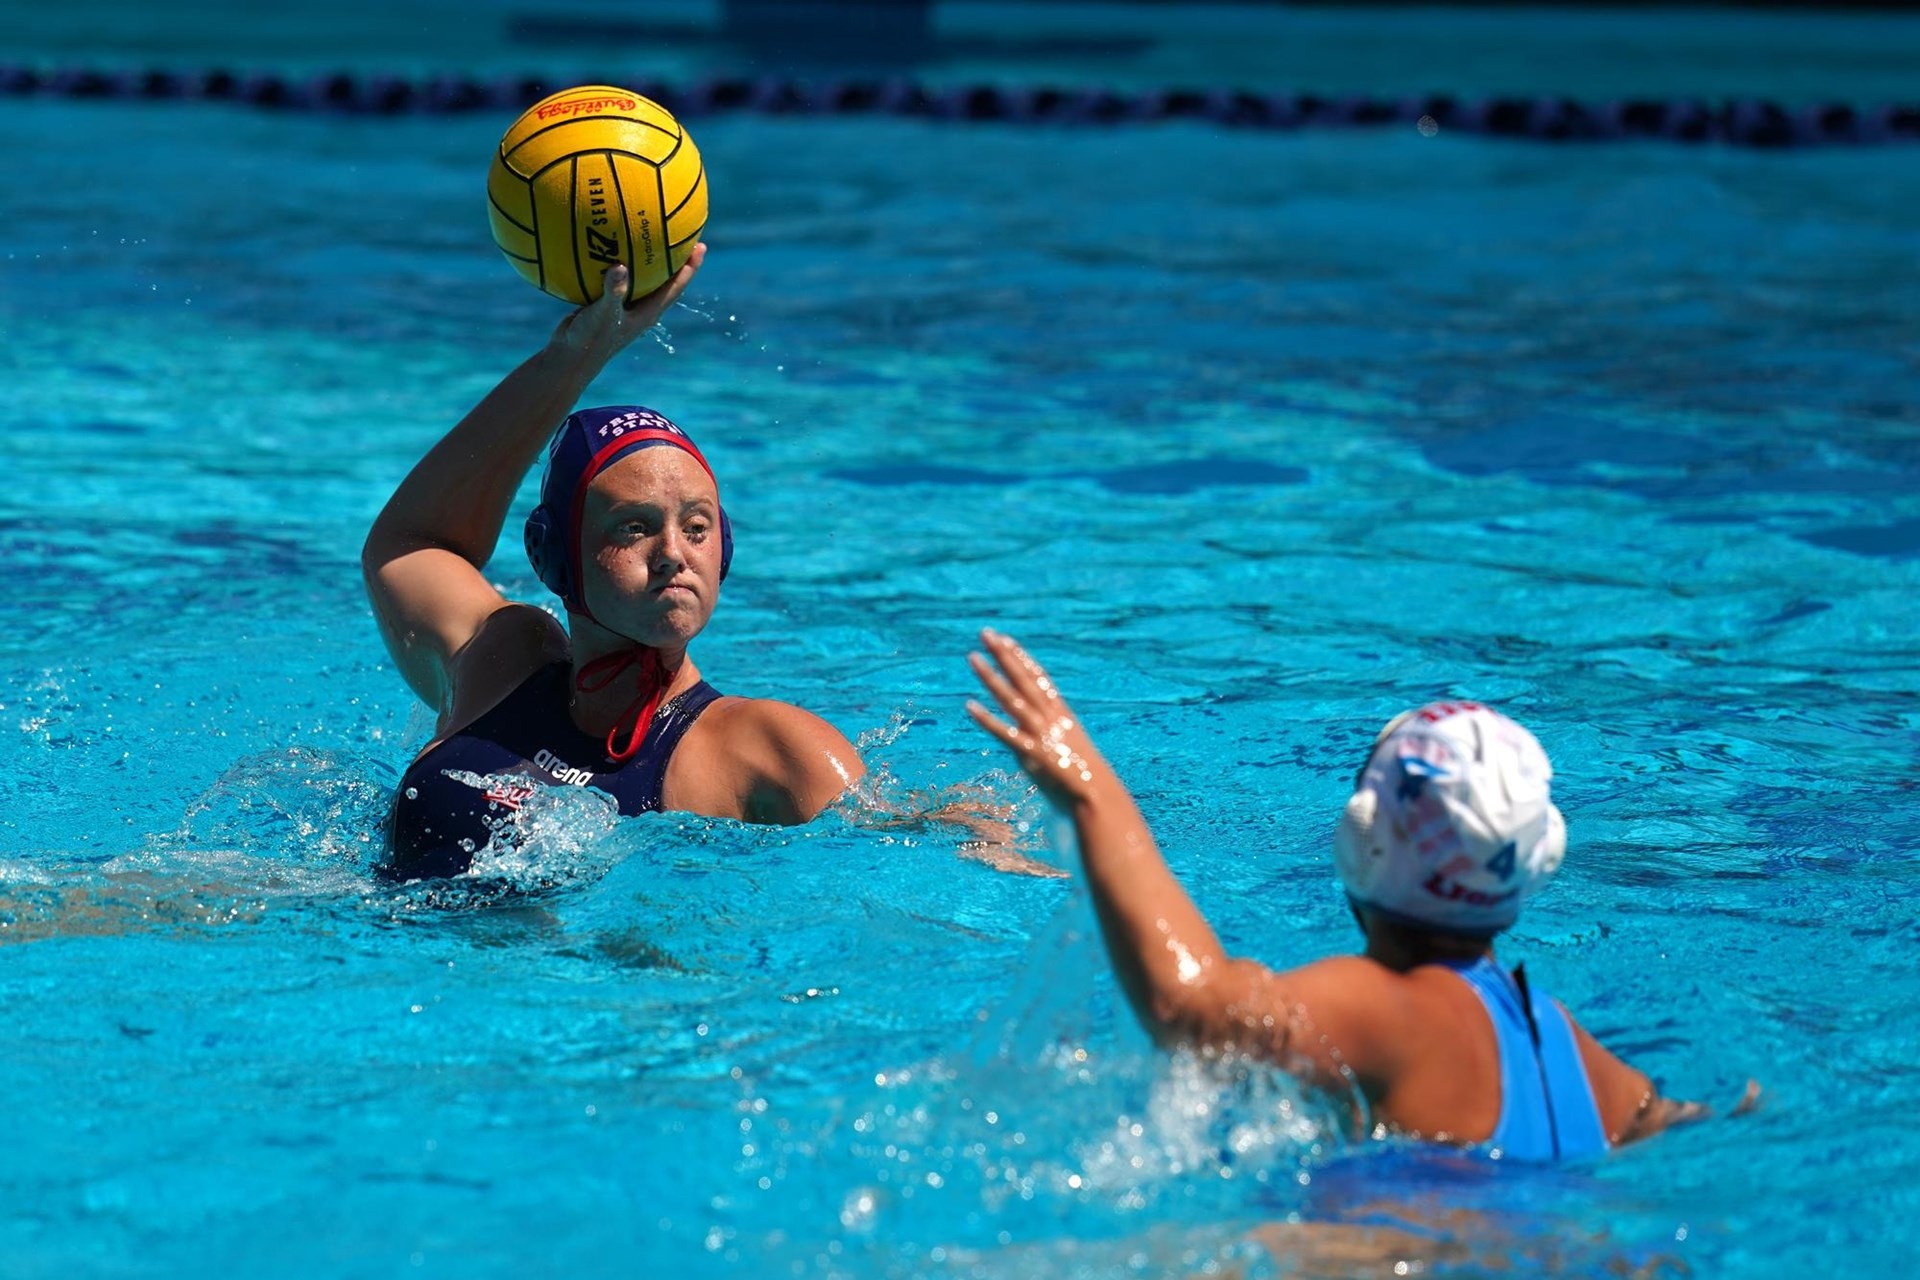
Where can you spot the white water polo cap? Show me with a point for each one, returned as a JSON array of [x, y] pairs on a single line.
[[1451, 825]]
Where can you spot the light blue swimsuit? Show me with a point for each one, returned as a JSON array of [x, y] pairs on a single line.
[[1547, 1110]]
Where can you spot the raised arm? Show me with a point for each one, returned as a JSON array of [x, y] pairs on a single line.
[[1183, 986], [423, 557]]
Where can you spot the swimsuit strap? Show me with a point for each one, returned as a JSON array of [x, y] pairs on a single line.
[[1547, 1109], [667, 726]]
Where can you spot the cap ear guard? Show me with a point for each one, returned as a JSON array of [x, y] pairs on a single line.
[[547, 552], [1356, 854], [1550, 852], [726, 544]]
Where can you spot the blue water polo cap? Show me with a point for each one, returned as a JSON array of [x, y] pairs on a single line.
[[587, 443]]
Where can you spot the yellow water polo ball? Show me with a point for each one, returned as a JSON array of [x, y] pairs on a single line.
[[592, 176]]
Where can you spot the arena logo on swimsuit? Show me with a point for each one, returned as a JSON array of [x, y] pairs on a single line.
[[562, 772]]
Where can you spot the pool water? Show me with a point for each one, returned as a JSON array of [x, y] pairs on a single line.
[[1253, 439]]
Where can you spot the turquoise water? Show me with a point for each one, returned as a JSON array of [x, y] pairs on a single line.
[[1255, 439]]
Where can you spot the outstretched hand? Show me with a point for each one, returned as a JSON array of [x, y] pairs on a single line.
[[604, 327], [1045, 736]]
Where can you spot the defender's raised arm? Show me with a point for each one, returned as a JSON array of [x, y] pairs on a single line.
[[1449, 829]]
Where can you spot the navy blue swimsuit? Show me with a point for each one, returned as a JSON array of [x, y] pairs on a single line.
[[439, 822]]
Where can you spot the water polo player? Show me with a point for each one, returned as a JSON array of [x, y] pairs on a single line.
[[631, 535], [1449, 829]]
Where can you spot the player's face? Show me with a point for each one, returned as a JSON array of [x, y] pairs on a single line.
[[650, 547]]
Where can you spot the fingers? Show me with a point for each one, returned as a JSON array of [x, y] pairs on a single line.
[[1026, 675], [669, 293], [1021, 686], [987, 720], [996, 684], [1025, 747], [613, 284]]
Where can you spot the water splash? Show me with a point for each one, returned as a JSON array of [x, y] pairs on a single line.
[[14, 872], [306, 804], [943, 1159], [882, 736], [556, 836]]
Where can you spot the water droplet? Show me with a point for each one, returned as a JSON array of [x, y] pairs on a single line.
[[857, 1211]]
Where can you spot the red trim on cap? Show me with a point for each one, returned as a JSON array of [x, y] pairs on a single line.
[[1433, 712], [607, 451]]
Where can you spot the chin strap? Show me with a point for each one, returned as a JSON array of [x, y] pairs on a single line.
[[638, 717]]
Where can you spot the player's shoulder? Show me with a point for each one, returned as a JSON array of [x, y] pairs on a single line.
[[1348, 996], [775, 725], [780, 763], [1346, 973]]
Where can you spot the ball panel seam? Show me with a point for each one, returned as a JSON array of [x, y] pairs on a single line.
[[579, 269], [507, 159], [698, 180], [626, 228], [508, 217]]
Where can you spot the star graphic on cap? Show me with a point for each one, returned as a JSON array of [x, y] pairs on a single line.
[[1414, 773]]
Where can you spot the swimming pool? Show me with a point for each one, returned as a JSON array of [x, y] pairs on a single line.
[[1622, 439]]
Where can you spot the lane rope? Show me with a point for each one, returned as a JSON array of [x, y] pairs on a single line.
[[1744, 122]]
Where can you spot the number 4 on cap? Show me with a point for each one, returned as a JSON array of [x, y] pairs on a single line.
[[1501, 864]]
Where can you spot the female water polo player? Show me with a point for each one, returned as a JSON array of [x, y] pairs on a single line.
[[631, 535], [1449, 828]]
